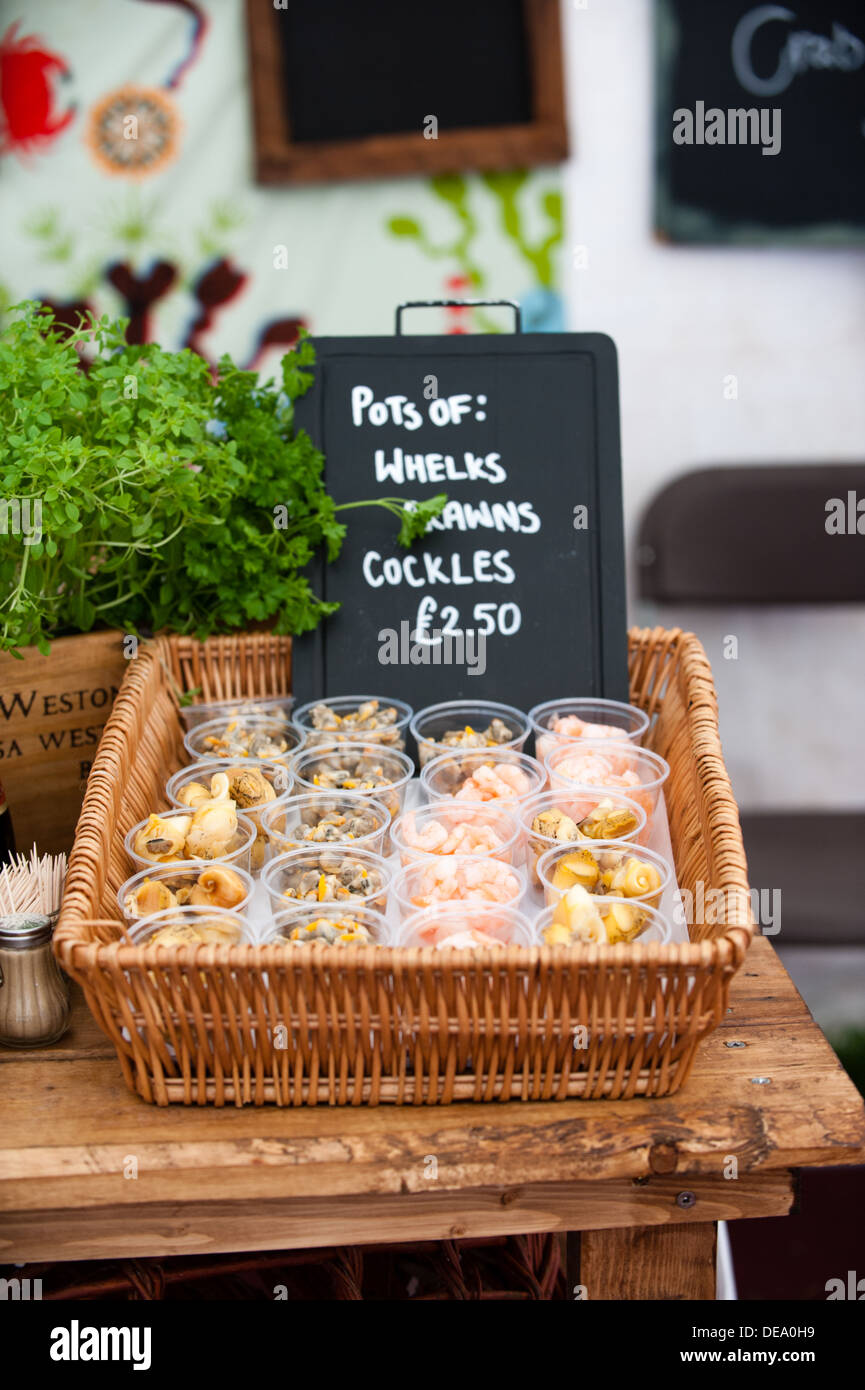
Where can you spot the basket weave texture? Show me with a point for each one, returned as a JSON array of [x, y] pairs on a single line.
[[251, 1025]]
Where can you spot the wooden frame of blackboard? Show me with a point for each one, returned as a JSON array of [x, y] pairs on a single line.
[[311, 677], [279, 160]]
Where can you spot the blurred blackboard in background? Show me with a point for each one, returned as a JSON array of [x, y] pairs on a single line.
[[342, 89], [805, 61]]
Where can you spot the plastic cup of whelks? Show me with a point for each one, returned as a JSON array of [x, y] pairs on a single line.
[[558, 817], [495, 774], [253, 783], [164, 887], [469, 878], [328, 924], [569, 719], [455, 827], [276, 707], [193, 926], [165, 839], [326, 818], [465, 927], [328, 873], [355, 719], [246, 736], [464, 724], [247, 793], [624, 767], [581, 919], [368, 768], [607, 868]]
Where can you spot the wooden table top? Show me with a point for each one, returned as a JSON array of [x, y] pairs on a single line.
[[89, 1170]]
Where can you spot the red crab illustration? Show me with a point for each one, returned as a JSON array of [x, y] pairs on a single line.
[[28, 118]]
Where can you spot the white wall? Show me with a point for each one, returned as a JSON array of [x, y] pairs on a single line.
[[790, 325]]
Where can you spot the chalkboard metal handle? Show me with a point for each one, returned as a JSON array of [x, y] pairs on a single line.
[[460, 304]]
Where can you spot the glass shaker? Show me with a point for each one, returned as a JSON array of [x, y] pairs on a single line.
[[34, 994]]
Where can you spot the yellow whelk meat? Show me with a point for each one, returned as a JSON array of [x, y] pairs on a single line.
[[214, 823], [623, 921], [149, 896], [579, 867], [193, 794], [219, 886], [162, 839], [608, 822], [576, 921], [635, 879]]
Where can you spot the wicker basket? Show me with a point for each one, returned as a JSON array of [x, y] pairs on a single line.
[[201, 1025]]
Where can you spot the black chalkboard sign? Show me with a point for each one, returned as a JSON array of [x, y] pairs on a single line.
[[342, 90], [760, 121], [347, 77], [518, 594]]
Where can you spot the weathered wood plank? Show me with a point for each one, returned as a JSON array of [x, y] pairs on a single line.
[[649, 1262], [199, 1227]]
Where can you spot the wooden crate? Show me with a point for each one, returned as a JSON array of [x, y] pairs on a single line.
[[255, 1024], [52, 712]]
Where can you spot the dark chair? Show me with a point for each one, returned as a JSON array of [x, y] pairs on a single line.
[[758, 535]]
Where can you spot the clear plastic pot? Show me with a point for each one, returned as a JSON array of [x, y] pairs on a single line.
[[337, 767], [246, 796], [269, 739], [466, 926], [472, 878], [647, 924], [184, 879], [293, 823], [315, 874], [596, 862], [298, 926], [237, 853], [471, 717], [500, 775], [180, 926], [456, 827], [276, 707], [341, 708], [623, 721], [623, 767], [563, 810]]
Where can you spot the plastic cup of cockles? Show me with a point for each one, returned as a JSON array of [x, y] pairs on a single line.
[[326, 818], [308, 925], [243, 736], [321, 874], [467, 724], [371, 769], [355, 719], [275, 707]]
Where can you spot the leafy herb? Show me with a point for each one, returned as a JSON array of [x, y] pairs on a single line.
[[168, 498]]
